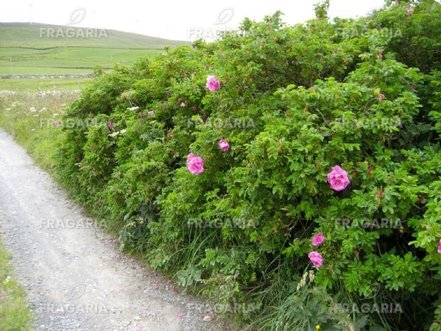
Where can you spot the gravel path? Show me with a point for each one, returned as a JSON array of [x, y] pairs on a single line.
[[75, 277]]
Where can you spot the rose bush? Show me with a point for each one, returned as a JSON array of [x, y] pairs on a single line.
[[306, 132]]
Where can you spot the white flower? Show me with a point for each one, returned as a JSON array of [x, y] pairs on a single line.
[[116, 133], [302, 281]]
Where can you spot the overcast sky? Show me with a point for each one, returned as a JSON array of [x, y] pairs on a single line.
[[172, 19]]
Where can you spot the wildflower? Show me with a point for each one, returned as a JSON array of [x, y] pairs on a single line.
[[195, 164], [318, 239], [439, 247], [338, 178], [213, 84], [151, 113], [316, 259], [302, 281], [182, 104], [224, 145]]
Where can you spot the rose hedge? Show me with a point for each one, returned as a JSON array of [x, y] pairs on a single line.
[[228, 164]]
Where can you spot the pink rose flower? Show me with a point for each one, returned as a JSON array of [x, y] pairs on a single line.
[[224, 145], [316, 259], [318, 239], [409, 10], [195, 164], [338, 179], [151, 113], [213, 84], [439, 247]]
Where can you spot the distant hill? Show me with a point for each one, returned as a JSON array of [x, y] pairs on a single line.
[[36, 35], [34, 48]]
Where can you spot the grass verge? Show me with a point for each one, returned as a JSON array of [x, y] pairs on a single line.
[[33, 119], [14, 311]]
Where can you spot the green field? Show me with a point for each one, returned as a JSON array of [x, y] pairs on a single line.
[[48, 49], [35, 35], [33, 85], [65, 60]]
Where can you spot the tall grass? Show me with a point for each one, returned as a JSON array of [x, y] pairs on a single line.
[[33, 119], [14, 312]]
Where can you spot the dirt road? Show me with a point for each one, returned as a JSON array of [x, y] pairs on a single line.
[[75, 277]]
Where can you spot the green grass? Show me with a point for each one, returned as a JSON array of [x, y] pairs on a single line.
[[35, 35], [14, 312], [20, 70], [16, 60], [33, 85], [31, 119], [32, 49]]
